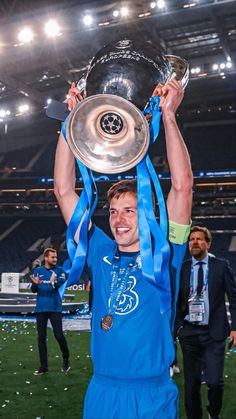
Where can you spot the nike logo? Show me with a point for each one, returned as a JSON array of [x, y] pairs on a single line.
[[106, 260]]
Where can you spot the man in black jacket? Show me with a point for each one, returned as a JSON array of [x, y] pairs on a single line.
[[201, 322]]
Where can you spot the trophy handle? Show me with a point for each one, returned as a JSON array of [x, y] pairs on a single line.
[[180, 69]]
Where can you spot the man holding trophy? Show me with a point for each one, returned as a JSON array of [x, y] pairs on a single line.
[[133, 276]]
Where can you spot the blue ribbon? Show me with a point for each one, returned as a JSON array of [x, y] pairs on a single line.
[[154, 247], [80, 219]]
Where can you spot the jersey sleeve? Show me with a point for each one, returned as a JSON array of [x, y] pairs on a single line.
[[61, 277], [178, 253], [98, 240]]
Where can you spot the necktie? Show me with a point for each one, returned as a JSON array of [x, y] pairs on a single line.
[[200, 278]]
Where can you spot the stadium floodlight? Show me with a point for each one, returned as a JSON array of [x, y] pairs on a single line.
[[4, 113], [124, 11], [116, 13], [26, 35], [222, 66], [88, 20], [195, 70], [229, 64], [153, 5], [52, 28], [215, 67], [161, 4], [23, 108], [49, 101]]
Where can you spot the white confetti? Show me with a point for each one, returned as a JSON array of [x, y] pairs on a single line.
[[65, 389], [27, 382]]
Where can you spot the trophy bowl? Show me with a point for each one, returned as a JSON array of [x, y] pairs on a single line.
[[107, 131]]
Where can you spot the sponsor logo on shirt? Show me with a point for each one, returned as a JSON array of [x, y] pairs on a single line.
[[129, 300]]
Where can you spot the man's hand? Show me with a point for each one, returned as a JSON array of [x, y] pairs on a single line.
[[233, 337], [36, 263], [35, 279], [74, 96], [171, 95], [53, 278]]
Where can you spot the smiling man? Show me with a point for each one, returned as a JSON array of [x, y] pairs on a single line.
[[131, 343], [123, 216]]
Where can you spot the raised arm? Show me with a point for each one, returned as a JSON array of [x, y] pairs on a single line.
[[64, 179], [179, 201], [64, 168]]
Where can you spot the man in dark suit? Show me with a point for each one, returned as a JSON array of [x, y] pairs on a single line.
[[201, 322]]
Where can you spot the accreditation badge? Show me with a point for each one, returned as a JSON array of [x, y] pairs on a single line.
[[196, 309]]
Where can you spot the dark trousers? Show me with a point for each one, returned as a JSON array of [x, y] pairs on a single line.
[[56, 322], [198, 347]]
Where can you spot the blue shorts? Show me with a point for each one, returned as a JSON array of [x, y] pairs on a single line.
[[113, 398]]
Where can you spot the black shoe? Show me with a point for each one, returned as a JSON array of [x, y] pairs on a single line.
[[66, 366], [41, 371]]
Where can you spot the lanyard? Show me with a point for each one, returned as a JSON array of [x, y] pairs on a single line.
[[119, 278], [205, 281]]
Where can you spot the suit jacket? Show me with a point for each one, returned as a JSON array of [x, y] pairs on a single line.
[[221, 281]]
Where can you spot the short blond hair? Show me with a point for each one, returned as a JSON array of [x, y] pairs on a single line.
[[48, 250]]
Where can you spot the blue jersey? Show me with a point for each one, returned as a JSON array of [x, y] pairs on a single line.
[[140, 343], [48, 298]]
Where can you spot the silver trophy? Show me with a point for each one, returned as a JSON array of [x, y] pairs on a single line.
[[107, 131]]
